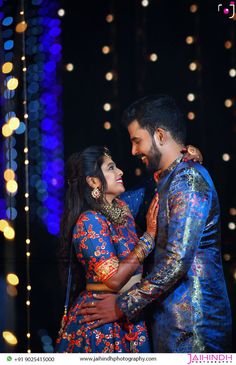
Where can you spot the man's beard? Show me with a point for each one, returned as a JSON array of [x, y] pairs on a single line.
[[154, 158]]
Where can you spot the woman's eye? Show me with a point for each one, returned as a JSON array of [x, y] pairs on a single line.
[[111, 167]]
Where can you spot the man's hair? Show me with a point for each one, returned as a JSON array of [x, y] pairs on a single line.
[[157, 111]]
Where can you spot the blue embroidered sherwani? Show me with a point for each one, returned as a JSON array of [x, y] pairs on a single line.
[[185, 283]]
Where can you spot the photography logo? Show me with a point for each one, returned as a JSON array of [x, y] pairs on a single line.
[[229, 11]]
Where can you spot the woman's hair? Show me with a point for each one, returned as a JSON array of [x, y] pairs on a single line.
[[78, 194]]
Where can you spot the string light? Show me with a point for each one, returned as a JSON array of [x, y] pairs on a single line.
[[227, 257], [144, 3], [106, 49], [232, 226], [232, 211], [61, 12], [193, 66], [191, 116], [10, 338], [190, 97], [109, 76], [69, 67], [193, 8], [228, 103], [228, 44], [153, 57], [110, 18], [107, 107], [12, 279], [9, 233], [232, 72], [189, 39], [107, 125], [12, 83], [226, 157], [7, 67]]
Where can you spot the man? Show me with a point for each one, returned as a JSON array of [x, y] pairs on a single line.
[[185, 283]]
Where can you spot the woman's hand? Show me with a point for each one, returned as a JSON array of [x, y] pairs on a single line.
[[192, 153], [151, 217]]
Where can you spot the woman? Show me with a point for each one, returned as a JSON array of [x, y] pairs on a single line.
[[103, 234]]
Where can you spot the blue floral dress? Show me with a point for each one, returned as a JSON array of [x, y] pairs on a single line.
[[100, 246]]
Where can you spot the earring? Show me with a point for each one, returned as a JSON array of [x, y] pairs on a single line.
[[96, 193]]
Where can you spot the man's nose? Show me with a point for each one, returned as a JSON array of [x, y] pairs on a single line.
[[134, 150]]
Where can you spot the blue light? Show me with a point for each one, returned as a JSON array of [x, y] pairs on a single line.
[[55, 48], [11, 213], [8, 44], [7, 21], [11, 154], [11, 165], [21, 128], [33, 134], [37, 2], [9, 94]]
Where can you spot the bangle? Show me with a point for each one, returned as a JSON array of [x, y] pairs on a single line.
[[138, 251]]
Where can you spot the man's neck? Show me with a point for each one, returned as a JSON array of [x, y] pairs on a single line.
[[170, 156]]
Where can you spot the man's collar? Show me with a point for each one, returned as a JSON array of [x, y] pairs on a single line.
[[158, 175]]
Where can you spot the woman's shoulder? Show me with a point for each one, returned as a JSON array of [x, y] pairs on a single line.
[[90, 216]]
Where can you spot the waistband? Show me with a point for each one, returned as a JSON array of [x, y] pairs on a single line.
[[103, 287]]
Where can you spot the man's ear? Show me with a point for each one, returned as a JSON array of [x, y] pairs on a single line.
[[160, 136], [93, 182]]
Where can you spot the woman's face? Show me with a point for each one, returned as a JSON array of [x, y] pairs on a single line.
[[113, 177]]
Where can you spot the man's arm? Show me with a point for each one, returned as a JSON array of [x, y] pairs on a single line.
[[189, 200]]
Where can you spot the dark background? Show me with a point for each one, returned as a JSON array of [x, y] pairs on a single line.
[[135, 33]]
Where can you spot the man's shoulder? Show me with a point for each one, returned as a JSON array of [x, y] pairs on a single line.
[[191, 176]]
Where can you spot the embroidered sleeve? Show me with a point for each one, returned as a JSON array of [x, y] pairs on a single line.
[[94, 246], [189, 200]]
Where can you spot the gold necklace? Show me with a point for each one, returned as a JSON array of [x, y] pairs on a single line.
[[115, 213]]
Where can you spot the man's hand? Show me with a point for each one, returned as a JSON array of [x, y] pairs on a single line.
[[104, 310]]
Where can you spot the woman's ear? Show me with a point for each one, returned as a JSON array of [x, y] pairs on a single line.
[[93, 182]]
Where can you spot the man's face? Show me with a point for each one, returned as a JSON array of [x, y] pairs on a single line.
[[144, 146]]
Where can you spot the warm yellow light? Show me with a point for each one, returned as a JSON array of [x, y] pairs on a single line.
[[26, 162], [27, 241], [225, 157], [227, 257], [228, 103], [106, 49], [26, 116], [29, 351], [11, 186], [12, 279], [26, 150], [189, 40], [28, 335], [232, 72], [28, 287], [21, 12], [232, 211], [9, 174], [107, 125], [145, 3], [9, 233], [193, 8], [228, 44], [24, 69], [191, 116], [61, 12], [153, 57], [28, 254], [12, 291], [107, 107], [193, 66], [14, 123], [9, 337], [6, 130], [109, 18], [138, 171], [3, 224], [21, 27], [7, 67], [26, 195], [191, 97], [26, 208], [12, 83], [23, 58], [27, 302], [69, 67], [232, 226], [109, 76]]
